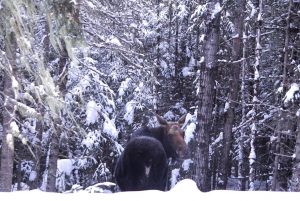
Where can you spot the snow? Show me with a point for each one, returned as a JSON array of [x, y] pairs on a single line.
[[202, 59], [15, 83], [256, 74], [182, 11], [253, 127], [91, 112], [24, 41], [90, 139], [279, 90], [109, 127], [216, 10], [186, 71], [186, 164], [253, 9], [255, 99], [174, 177], [129, 115], [235, 36], [91, 5], [252, 156], [251, 113], [218, 139], [200, 9], [298, 66], [114, 41], [226, 107], [183, 190], [191, 127], [32, 175], [189, 132], [169, 115], [164, 65], [65, 166], [290, 94], [297, 113], [14, 129], [74, 2], [259, 17], [124, 86]]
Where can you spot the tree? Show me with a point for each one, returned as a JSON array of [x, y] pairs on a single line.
[[91, 72], [230, 111], [205, 97], [286, 119], [295, 183], [10, 128], [256, 68]]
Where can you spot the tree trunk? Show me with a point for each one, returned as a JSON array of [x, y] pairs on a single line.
[[253, 126], [205, 105], [233, 94], [9, 124], [53, 157], [295, 181], [283, 114], [241, 154], [158, 37], [69, 21], [201, 157]]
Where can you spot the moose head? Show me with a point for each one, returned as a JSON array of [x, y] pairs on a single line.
[[174, 136]]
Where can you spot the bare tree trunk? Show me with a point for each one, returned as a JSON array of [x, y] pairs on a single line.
[[53, 157], [241, 140], [36, 183], [201, 157], [233, 93], [205, 105], [9, 124], [253, 127], [158, 32], [71, 24], [282, 114], [295, 181], [275, 186]]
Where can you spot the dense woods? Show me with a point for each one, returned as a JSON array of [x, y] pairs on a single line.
[[77, 77]]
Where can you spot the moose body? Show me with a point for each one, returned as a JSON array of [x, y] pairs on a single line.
[[143, 165]]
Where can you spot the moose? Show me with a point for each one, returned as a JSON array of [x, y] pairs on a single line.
[[143, 165]]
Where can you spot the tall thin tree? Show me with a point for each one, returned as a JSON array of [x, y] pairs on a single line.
[[255, 93], [9, 124], [283, 114], [234, 70], [205, 97]]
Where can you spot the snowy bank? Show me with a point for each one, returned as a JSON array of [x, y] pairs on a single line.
[[185, 190]]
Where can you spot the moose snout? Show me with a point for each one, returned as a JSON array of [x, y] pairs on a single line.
[[183, 152]]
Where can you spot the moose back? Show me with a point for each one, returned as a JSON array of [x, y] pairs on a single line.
[[143, 165]]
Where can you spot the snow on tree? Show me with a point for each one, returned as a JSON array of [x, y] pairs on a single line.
[[84, 74]]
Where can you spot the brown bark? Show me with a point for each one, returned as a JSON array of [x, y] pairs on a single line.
[[276, 183], [7, 152], [295, 181], [205, 105], [256, 80], [234, 69], [73, 28], [52, 158], [201, 157]]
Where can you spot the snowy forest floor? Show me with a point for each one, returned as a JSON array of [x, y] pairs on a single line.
[[185, 189]]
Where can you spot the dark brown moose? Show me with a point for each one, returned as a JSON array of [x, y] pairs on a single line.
[[143, 165]]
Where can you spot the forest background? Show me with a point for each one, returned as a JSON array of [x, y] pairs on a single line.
[[77, 77]]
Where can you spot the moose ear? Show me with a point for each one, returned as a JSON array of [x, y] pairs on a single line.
[[161, 120], [181, 120]]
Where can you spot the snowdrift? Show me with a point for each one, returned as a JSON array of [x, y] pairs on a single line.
[[185, 190]]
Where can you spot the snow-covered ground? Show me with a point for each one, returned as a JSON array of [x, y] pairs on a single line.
[[185, 190]]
